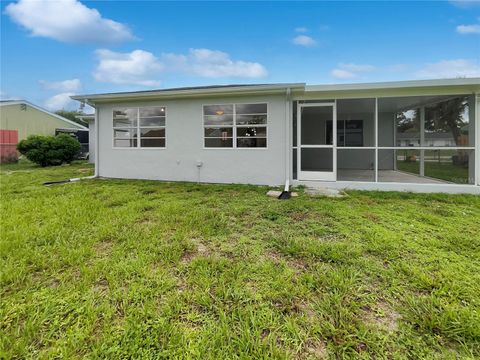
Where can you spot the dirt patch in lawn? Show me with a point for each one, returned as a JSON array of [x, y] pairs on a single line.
[[298, 264], [331, 237], [199, 250], [371, 217], [301, 216], [103, 247], [316, 349], [382, 315], [101, 286], [146, 220]]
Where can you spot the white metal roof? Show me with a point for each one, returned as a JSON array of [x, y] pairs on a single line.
[[395, 84], [192, 91], [226, 90]]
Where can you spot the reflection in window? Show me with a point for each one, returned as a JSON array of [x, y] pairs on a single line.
[[247, 121], [139, 127]]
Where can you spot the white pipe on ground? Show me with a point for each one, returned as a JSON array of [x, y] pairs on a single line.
[[83, 178]]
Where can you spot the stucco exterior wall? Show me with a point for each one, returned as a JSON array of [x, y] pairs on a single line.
[[185, 146], [30, 121]]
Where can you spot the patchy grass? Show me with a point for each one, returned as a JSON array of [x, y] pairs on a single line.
[[143, 269]]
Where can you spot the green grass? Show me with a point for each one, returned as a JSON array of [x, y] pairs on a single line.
[[141, 269], [438, 170]]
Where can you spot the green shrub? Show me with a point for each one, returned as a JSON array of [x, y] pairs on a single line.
[[49, 150]]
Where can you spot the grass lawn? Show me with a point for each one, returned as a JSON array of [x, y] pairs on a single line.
[[443, 171], [141, 269]]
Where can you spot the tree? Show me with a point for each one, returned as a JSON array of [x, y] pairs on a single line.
[[447, 116], [407, 122], [71, 115]]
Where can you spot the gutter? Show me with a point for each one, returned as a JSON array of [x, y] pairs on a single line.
[[466, 82], [221, 91], [97, 141]]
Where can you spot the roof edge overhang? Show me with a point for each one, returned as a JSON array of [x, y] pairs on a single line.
[[437, 87], [473, 83], [298, 90], [243, 90]]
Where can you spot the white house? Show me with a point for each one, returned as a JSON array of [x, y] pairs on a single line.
[[360, 136]]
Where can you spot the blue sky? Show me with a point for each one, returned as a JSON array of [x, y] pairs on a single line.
[[53, 49]]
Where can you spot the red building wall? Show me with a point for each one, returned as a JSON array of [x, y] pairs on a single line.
[[8, 146]]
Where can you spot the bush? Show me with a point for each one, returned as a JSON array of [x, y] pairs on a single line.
[[49, 150]]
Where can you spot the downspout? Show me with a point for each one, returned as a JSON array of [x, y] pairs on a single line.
[[476, 121], [422, 141], [286, 191], [97, 126]]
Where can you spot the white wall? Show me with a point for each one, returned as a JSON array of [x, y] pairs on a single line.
[[184, 147]]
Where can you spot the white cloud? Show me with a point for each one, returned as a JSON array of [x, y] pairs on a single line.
[[67, 21], [301, 29], [350, 70], [356, 67], [138, 67], [61, 101], [465, 3], [342, 74], [5, 96], [450, 69], [65, 85], [213, 63], [468, 29], [304, 40]]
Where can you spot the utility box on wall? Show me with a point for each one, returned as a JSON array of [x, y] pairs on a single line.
[[8, 146]]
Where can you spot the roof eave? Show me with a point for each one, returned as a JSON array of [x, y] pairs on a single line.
[[466, 82], [163, 94]]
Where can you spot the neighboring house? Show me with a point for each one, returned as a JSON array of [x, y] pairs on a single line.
[[29, 119], [430, 139], [344, 136]]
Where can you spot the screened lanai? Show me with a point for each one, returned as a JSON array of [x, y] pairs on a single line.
[[408, 139]]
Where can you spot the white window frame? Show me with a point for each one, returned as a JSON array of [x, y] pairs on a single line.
[[138, 127], [234, 126], [219, 126]]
